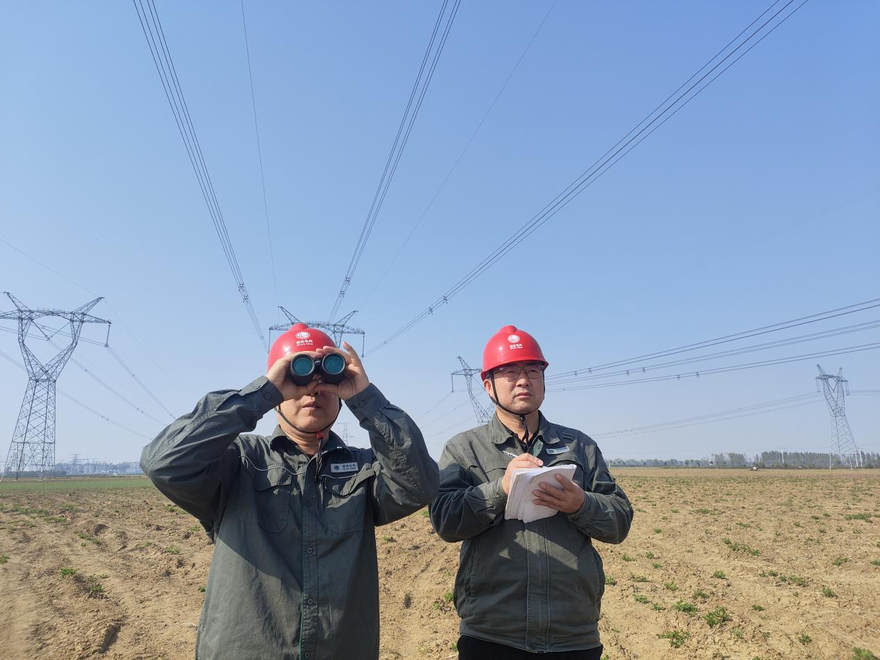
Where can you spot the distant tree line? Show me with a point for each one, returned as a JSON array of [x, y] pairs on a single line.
[[97, 467], [766, 459]]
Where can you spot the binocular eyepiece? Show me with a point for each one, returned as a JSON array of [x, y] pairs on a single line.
[[331, 367]]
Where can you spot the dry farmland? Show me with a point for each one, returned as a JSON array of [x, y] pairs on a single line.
[[719, 564]]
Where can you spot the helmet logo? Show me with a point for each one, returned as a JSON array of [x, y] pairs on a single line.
[[302, 335], [513, 339]]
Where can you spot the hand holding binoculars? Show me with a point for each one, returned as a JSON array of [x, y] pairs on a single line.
[[330, 366]]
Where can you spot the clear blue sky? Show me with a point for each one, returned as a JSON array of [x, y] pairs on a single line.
[[755, 204]]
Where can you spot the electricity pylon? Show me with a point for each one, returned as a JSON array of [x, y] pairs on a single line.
[[33, 441], [336, 329], [843, 445], [483, 414]]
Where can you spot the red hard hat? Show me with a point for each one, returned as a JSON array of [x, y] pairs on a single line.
[[510, 345], [299, 338]]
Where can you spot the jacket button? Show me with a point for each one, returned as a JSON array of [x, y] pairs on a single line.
[[310, 602], [310, 550]]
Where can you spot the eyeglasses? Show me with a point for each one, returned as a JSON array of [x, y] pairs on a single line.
[[512, 372]]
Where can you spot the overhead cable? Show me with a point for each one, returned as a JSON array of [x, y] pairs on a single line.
[[815, 336], [77, 402], [247, 50], [420, 88], [105, 301], [720, 416], [737, 367], [605, 162], [155, 36], [466, 147], [737, 336]]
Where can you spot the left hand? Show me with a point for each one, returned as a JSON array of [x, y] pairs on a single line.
[[355, 380], [568, 499]]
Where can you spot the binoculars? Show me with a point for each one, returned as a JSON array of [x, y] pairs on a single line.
[[330, 366]]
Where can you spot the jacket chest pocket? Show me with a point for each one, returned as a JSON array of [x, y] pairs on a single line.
[[346, 501], [582, 470], [264, 499]]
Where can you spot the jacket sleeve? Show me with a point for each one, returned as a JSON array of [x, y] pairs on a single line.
[[464, 509], [193, 461], [606, 514], [406, 475]]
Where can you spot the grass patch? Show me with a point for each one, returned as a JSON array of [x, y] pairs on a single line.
[[804, 638], [720, 575], [684, 606], [649, 555], [676, 637], [757, 608], [4, 559], [640, 598], [627, 558], [862, 654], [858, 516], [172, 550], [637, 578], [828, 593], [840, 561], [610, 581], [699, 593], [671, 586], [68, 571], [716, 617]]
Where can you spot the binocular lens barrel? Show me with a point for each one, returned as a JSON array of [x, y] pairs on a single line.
[[303, 367]]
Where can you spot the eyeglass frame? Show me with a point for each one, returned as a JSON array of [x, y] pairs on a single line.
[[520, 370]]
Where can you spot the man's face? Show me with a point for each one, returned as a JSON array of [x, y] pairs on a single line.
[[310, 411], [519, 386]]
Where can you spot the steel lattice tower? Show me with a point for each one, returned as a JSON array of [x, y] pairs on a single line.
[[336, 329], [483, 414], [33, 441], [843, 445]]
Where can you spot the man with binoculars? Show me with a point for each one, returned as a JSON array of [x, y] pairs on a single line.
[[294, 571]]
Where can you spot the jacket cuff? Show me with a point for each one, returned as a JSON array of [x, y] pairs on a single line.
[[587, 511], [367, 403], [261, 395]]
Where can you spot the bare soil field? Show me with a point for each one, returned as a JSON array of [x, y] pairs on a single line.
[[719, 564]]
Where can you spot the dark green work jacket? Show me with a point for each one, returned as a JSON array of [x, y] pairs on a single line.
[[535, 586], [294, 573]]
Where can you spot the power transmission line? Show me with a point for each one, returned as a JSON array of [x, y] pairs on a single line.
[[420, 88], [720, 416], [87, 290], [43, 329], [836, 332], [161, 54], [745, 334], [466, 147], [77, 402], [736, 367], [611, 157], [247, 49]]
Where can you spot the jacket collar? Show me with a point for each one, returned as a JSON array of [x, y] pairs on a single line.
[[546, 431], [279, 441]]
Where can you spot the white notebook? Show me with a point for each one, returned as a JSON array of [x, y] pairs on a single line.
[[519, 502]]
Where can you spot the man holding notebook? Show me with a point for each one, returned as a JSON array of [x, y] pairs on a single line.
[[529, 581]]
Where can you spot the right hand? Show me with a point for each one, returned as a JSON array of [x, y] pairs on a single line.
[[523, 461], [277, 375]]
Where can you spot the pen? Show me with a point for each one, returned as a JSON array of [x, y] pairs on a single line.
[[510, 453]]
